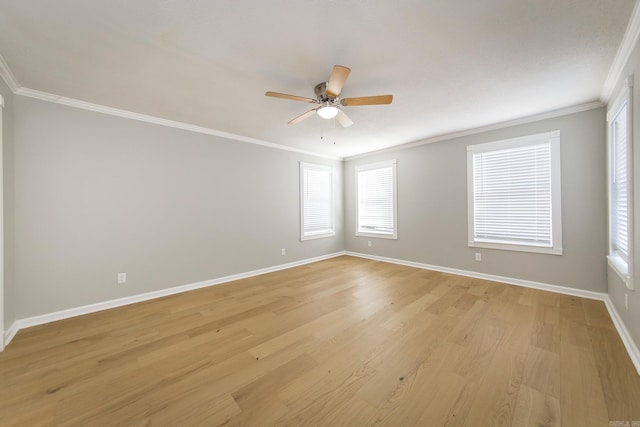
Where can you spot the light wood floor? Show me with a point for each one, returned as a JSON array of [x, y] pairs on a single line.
[[342, 342]]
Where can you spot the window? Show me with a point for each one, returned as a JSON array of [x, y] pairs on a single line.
[[316, 201], [620, 186], [513, 191], [376, 200]]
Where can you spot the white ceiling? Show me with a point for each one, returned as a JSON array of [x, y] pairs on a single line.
[[451, 65]]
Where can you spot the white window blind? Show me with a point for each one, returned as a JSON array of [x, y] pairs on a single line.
[[316, 194], [376, 201], [620, 186], [620, 182], [512, 194]]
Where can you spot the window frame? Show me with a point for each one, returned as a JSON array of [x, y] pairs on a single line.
[[623, 268], [394, 186], [553, 138], [331, 171], [2, 300]]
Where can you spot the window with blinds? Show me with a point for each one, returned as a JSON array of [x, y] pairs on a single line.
[[316, 201], [514, 194], [620, 185], [376, 200]]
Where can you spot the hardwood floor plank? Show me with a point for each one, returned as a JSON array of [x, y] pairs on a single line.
[[581, 394], [290, 337], [536, 409], [407, 404], [341, 409], [498, 384], [400, 359], [408, 313], [541, 371], [198, 408], [596, 314], [258, 400], [546, 330], [437, 412]]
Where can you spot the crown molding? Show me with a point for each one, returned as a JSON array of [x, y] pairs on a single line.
[[622, 56], [44, 96], [7, 75], [473, 131]]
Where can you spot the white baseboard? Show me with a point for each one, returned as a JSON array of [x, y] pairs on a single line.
[[600, 296], [627, 340], [92, 308], [10, 333]]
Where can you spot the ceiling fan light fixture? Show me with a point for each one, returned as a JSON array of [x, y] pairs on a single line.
[[327, 112], [328, 99]]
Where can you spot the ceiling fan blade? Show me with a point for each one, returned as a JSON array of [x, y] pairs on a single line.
[[343, 119], [367, 100], [291, 97], [336, 80], [303, 116]]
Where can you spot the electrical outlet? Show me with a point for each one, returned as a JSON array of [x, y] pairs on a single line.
[[122, 278], [478, 256], [626, 301], [284, 251], [369, 243]]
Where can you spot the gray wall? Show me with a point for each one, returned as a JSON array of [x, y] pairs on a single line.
[[617, 288], [432, 206], [7, 155], [96, 195]]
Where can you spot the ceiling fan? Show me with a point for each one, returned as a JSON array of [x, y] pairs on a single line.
[[328, 96]]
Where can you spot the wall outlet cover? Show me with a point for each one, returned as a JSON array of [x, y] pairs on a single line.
[[626, 301]]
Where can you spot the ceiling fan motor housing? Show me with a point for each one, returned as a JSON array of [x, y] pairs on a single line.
[[321, 93]]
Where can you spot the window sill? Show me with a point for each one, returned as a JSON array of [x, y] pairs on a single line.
[[621, 268], [378, 235], [516, 247], [317, 236]]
